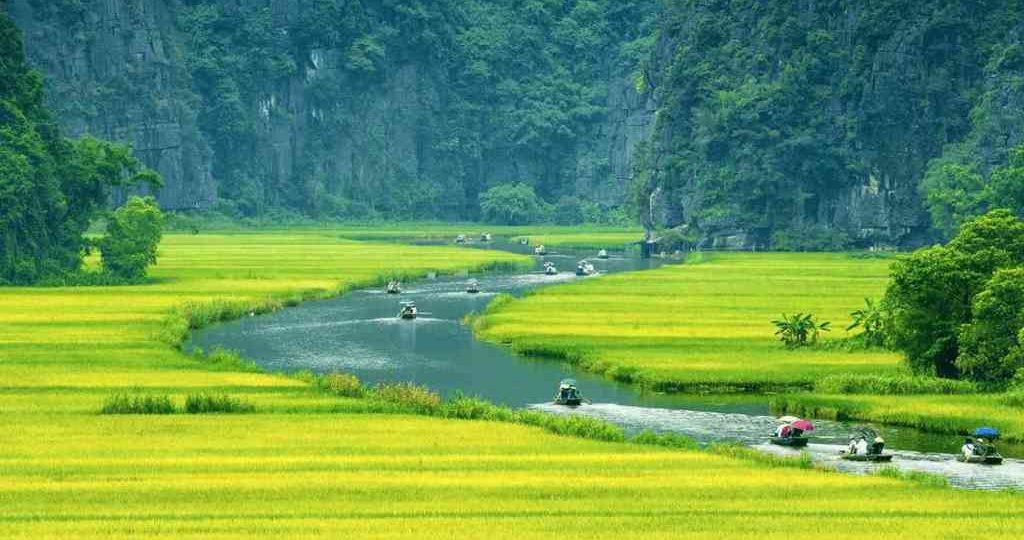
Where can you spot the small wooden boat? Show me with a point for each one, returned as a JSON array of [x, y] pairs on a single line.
[[603, 254], [795, 442], [473, 287], [460, 239], [875, 458], [991, 459], [394, 287], [524, 241], [568, 394], [584, 268], [408, 311], [540, 250], [549, 268], [485, 237]]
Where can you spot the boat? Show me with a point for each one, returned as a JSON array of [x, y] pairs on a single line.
[[795, 442], [540, 250], [460, 239], [549, 268], [585, 268], [485, 237], [524, 241], [603, 254], [408, 311], [990, 459], [568, 394], [874, 458], [394, 287], [473, 286]]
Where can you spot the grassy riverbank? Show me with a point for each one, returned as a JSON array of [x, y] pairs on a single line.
[[304, 463], [697, 326]]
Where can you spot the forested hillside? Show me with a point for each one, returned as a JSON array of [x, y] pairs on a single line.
[[815, 124], [790, 125]]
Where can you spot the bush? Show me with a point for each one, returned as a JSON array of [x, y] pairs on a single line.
[[208, 403], [133, 233], [341, 384], [511, 204], [122, 403], [410, 396]]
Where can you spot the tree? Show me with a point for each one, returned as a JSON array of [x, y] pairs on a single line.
[[931, 292], [133, 233], [511, 204], [569, 211], [799, 330], [991, 350]]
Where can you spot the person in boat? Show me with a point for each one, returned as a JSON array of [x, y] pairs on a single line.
[[784, 431], [968, 448], [877, 445]]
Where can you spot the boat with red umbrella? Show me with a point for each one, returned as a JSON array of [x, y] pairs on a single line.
[[791, 432]]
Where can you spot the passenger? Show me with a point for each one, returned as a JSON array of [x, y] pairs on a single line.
[[968, 448], [862, 446], [853, 447], [878, 445], [783, 431]]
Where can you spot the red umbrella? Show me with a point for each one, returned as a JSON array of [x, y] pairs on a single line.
[[803, 425]]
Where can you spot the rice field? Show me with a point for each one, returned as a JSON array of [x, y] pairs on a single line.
[[703, 325], [305, 464]]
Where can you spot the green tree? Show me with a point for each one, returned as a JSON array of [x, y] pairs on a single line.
[[871, 321], [511, 204], [931, 291], [990, 344], [568, 211], [133, 234], [800, 330]]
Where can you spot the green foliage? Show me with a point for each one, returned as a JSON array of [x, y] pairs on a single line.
[[870, 319], [932, 292], [511, 204], [123, 403], [133, 234], [799, 330], [956, 192], [413, 397], [215, 403], [991, 348], [50, 188]]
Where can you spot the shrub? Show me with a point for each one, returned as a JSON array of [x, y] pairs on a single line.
[[133, 233], [799, 330], [407, 395], [341, 384], [123, 403], [209, 403], [511, 204]]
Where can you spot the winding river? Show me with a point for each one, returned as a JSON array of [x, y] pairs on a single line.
[[359, 333]]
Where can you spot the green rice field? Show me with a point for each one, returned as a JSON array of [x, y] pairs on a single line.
[[305, 464], [700, 325]]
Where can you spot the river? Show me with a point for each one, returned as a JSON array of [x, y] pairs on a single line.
[[359, 333]]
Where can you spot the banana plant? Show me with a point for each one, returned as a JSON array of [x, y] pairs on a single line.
[[800, 330]]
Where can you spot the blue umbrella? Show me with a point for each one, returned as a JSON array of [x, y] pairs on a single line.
[[987, 432]]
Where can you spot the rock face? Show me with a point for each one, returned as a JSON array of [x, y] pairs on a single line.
[[114, 71], [272, 104], [810, 125]]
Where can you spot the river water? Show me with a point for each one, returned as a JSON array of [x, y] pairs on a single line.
[[359, 333]]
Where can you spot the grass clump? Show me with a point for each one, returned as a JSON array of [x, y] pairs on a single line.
[[408, 396], [927, 479], [220, 359], [204, 403], [124, 403], [892, 385]]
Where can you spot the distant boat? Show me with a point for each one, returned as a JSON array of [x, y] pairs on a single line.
[[876, 458], [460, 239], [585, 268], [540, 250], [408, 311], [568, 394], [394, 287], [795, 442], [603, 254], [524, 241], [473, 287], [485, 237], [549, 268]]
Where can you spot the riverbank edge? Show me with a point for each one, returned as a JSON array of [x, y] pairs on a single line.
[[784, 398]]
